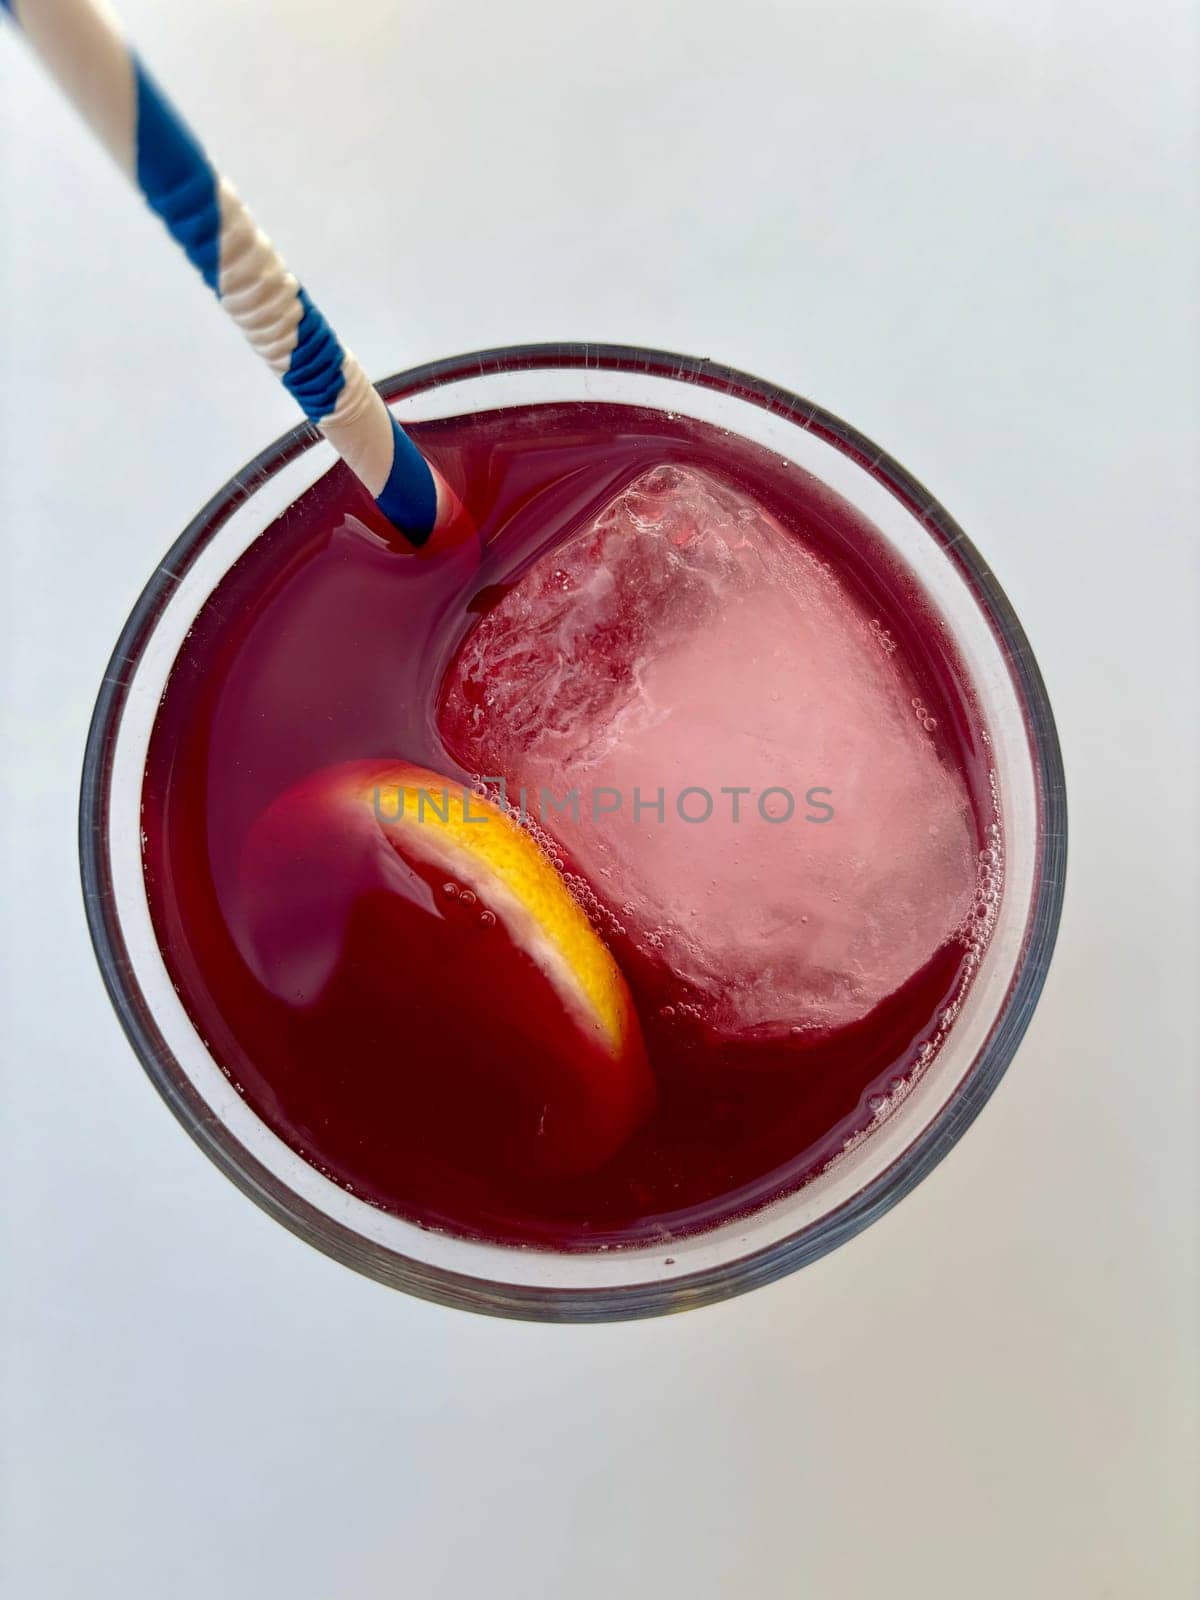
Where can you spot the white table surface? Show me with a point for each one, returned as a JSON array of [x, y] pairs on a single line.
[[971, 229]]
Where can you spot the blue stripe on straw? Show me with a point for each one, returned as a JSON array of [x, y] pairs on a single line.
[[175, 177], [314, 375], [408, 498]]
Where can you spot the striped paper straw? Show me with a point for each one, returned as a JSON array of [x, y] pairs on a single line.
[[82, 46]]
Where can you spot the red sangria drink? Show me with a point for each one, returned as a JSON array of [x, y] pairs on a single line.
[[604, 913]]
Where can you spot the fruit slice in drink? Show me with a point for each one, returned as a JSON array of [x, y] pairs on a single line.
[[389, 882]]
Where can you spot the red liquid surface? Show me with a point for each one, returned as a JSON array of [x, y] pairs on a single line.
[[322, 646]]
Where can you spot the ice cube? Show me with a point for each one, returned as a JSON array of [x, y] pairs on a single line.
[[684, 641]]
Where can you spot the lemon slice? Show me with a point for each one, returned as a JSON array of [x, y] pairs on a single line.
[[481, 847], [425, 899]]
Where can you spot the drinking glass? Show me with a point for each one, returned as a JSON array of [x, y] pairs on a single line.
[[915, 1127]]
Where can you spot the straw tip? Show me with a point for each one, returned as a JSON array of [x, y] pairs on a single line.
[[454, 527]]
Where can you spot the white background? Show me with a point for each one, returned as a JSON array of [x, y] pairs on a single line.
[[969, 228]]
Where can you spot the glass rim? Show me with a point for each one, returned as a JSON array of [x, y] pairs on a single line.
[[724, 1279]]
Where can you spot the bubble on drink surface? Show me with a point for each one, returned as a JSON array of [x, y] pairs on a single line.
[[980, 920], [882, 636], [689, 606]]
